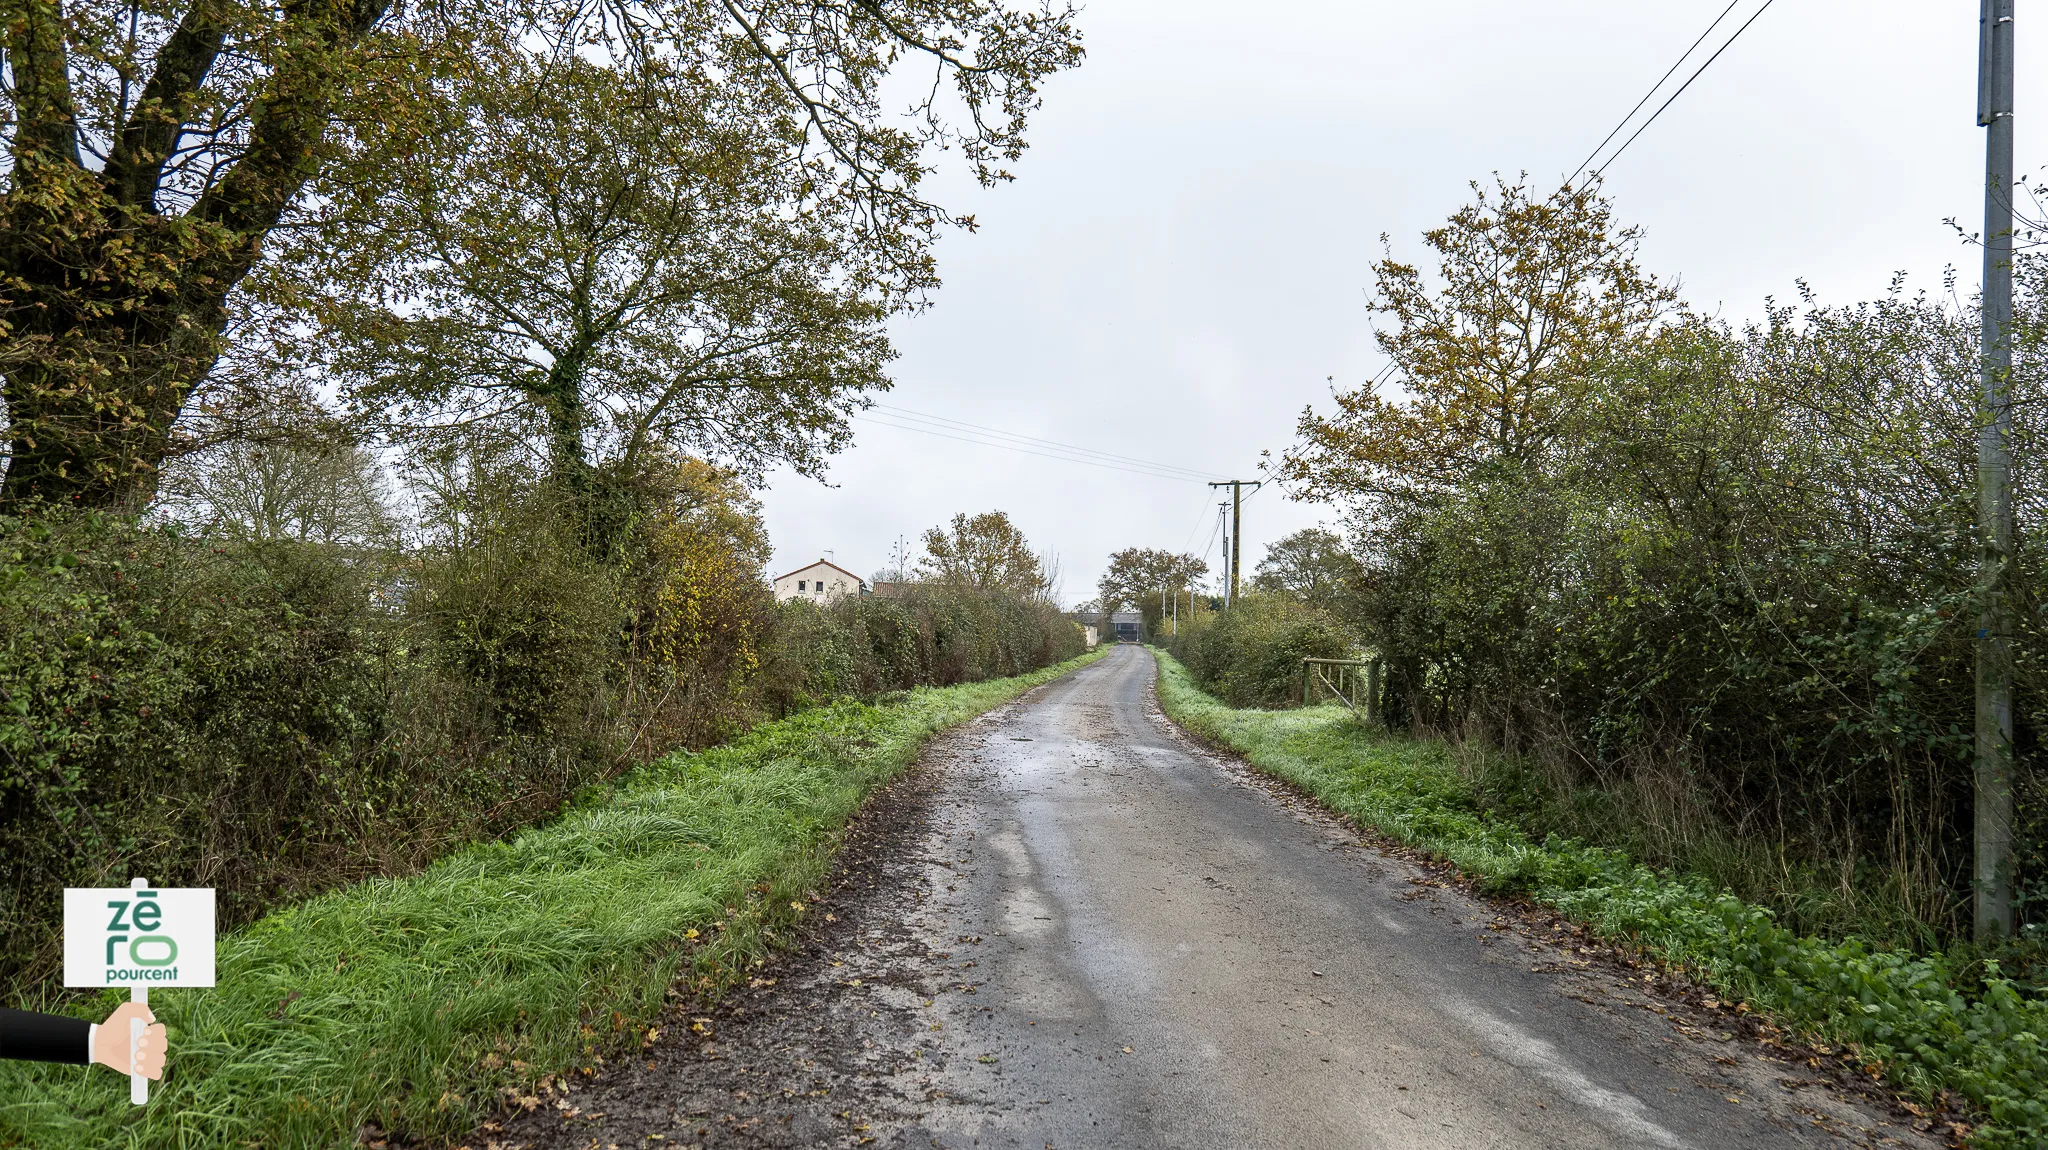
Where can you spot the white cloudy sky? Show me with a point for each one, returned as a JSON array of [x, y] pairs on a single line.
[[1182, 260]]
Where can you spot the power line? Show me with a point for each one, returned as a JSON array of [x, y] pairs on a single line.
[[1199, 516], [985, 442], [979, 440], [1688, 83], [1034, 441], [1653, 90], [1215, 531]]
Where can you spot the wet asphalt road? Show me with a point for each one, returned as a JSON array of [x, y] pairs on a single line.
[[1070, 927]]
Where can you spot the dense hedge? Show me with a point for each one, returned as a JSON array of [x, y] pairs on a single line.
[[1929, 1021], [925, 635], [1740, 594], [1719, 584], [273, 718], [414, 1004], [1250, 655]]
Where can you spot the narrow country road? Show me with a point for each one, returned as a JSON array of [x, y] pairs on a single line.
[[1070, 927]]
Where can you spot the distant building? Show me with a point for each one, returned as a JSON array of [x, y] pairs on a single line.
[[1090, 622], [821, 583], [1130, 626]]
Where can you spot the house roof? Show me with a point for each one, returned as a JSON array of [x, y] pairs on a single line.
[[822, 563]]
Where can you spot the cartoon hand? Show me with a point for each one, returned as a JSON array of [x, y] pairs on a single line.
[[110, 1042]]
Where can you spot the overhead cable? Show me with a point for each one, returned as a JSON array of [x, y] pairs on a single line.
[[985, 440], [1202, 515], [1616, 154], [950, 424], [1686, 55]]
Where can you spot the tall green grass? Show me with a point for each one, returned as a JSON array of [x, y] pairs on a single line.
[[412, 1003], [1929, 1022]]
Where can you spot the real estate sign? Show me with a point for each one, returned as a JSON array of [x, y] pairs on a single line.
[[138, 936]]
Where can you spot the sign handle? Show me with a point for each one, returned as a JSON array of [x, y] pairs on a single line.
[[138, 1086]]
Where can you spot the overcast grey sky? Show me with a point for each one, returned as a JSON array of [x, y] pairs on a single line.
[[1183, 258]]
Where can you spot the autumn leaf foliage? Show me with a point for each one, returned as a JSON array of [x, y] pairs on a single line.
[[1491, 357]]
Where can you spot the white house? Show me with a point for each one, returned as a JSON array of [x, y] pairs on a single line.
[[821, 583]]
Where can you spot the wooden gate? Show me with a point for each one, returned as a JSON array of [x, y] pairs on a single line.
[[1354, 682]]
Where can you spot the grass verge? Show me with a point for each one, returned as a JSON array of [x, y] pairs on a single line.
[[1901, 1012], [415, 1003]]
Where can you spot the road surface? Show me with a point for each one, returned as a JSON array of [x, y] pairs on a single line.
[[1071, 927]]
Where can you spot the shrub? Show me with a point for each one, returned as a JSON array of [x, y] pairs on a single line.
[[269, 718], [272, 717], [926, 635], [413, 1004], [1930, 1021], [1250, 655]]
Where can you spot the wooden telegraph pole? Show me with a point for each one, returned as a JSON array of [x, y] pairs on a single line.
[[1233, 548]]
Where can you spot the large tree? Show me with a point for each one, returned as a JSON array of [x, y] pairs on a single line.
[[986, 552], [1311, 565], [153, 149], [1138, 578], [1490, 359], [618, 256], [312, 489]]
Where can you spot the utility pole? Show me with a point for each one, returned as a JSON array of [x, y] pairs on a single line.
[[1223, 517], [1993, 799], [1233, 547]]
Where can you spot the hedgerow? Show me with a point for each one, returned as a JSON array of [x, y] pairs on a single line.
[[275, 717], [1930, 1024], [415, 1004]]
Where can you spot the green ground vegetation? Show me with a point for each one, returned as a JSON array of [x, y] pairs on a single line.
[[1932, 1021], [415, 1003]]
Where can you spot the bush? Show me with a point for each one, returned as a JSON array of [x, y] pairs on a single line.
[[273, 717], [269, 718], [1728, 577], [925, 635], [1250, 655], [1931, 1022], [413, 1003]]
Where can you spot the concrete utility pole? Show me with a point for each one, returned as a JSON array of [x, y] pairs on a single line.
[[1233, 547], [1993, 805]]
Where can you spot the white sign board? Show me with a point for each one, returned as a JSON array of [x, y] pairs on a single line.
[[138, 937]]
